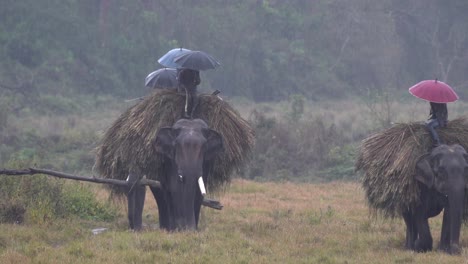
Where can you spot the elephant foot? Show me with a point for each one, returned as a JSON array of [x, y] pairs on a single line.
[[453, 249], [135, 228], [409, 243], [138, 229], [421, 246], [409, 246]]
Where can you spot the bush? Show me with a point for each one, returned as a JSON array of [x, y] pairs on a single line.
[[296, 149], [32, 198], [340, 163], [12, 211], [4, 112], [300, 147], [80, 201], [40, 199]]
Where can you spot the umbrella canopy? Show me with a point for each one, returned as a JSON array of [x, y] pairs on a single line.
[[434, 91], [196, 60], [168, 59], [162, 78]]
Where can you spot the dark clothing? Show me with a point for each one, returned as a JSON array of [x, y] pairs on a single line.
[[188, 77], [438, 117], [188, 81], [439, 112]]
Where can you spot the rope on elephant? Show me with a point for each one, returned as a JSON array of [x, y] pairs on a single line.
[[387, 161], [128, 145]]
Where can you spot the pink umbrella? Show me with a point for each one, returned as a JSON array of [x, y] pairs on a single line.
[[434, 91]]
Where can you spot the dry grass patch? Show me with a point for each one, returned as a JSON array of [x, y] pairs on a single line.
[[260, 223]]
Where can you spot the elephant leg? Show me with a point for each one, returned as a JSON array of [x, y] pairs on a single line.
[[445, 232], [163, 208], [131, 209], [424, 241], [411, 230], [140, 194], [136, 202]]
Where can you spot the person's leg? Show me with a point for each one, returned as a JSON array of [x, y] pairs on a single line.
[[431, 125], [192, 100]]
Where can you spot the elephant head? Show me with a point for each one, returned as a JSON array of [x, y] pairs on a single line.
[[188, 146], [445, 170]]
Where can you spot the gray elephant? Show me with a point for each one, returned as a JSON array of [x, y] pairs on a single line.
[[443, 179], [189, 148]]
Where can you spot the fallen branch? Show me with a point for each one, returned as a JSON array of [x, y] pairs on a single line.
[[32, 171]]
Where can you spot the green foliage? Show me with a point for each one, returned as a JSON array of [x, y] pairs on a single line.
[[40, 199], [34, 199], [268, 49], [340, 163], [59, 105], [4, 113], [298, 149], [80, 201], [59, 141], [297, 107]]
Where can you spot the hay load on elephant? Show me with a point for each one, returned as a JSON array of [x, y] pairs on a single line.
[[128, 145], [387, 161]]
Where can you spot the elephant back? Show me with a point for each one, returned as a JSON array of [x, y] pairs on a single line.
[[387, 161], [128, 144]]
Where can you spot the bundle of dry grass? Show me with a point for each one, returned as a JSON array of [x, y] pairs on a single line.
[[388, 162], [128, 145]]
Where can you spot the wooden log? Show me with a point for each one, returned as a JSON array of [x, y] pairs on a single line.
[[32, 171]]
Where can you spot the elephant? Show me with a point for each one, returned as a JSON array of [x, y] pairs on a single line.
[[188, 149], [442, 176]]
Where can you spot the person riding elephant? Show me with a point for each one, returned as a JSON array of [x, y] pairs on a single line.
[[438, 117], [188, 81]]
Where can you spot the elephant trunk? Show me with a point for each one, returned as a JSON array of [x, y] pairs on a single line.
[[186, 223], [184, 213], [184, 204]]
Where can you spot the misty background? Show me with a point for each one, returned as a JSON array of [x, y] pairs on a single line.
[[66, 67]]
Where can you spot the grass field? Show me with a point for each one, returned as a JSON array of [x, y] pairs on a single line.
[[260, 223]]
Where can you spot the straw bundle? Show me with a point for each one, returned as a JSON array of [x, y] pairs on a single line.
[[388, 159], [128, 145]]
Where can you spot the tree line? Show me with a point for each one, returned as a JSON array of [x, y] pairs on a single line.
[[269, 50]]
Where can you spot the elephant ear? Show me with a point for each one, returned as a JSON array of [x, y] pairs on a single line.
[[213, 145], [424, 172], [165, 141]]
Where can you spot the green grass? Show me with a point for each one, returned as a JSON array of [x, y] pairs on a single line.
[[283, 223]]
